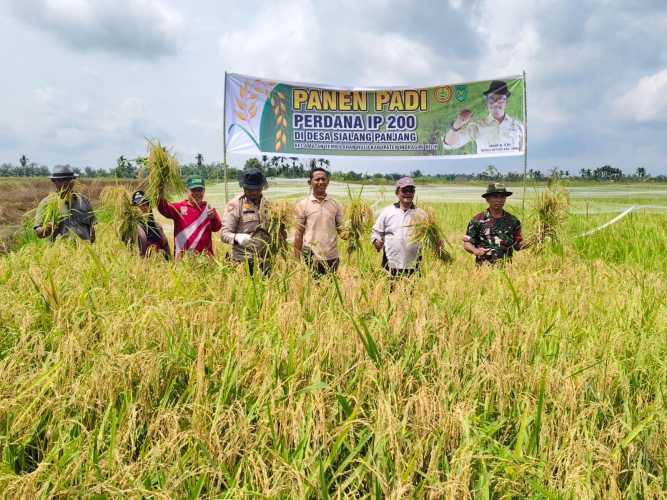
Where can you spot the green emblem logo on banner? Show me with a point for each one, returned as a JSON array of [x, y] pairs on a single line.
[[461, 93]]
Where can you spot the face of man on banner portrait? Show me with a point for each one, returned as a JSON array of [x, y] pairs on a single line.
[[496, 99]]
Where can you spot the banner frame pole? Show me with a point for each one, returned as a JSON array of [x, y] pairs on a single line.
[[224, 137], [525, 144]]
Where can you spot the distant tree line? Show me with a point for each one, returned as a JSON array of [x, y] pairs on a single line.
[[286, 166], [295, 167], [25, 168]]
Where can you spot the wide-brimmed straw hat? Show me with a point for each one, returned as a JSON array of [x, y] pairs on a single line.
[[496, 188], [63, 173]]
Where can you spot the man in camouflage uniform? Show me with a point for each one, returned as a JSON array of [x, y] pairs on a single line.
[[494, 234]]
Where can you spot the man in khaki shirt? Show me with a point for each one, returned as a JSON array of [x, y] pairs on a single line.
[[319, 219], [245, 220]]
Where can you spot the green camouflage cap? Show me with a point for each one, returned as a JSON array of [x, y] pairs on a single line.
[[195, 181], [496, 188]]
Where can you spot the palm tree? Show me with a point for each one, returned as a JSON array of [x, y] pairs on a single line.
[[491, 172], [290, 167]]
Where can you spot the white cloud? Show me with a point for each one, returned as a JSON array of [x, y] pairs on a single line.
[[646, 101], [397, 60], [44, 95], [136, 28], [295, 42], [586, 70], [74, 125], [8, 137]]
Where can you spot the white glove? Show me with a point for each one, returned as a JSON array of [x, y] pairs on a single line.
[[242, 239]]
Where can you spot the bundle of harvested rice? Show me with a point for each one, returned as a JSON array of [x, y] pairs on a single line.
[[53, 211], [126, 217], [164, 174], [279, 216], [359, 222], [551, 207], [428, 234]]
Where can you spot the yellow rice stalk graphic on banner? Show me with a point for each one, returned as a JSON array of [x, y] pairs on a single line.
[[246, 108], [279, 110]]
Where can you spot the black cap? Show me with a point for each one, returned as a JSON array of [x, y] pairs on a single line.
[[139, 198], [253, 179], [498, 87]]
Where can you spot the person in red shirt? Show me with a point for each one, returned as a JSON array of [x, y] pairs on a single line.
[[194, 220]]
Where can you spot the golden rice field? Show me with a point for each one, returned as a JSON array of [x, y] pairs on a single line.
[[546, 378]]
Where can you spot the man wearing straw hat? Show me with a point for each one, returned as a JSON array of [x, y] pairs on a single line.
[[319, 219], [496, 132], [77, 216], [392, 232], [494, 234], [245, 221], [195, 221]]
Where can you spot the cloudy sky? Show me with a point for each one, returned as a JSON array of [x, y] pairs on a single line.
[[87, 80]]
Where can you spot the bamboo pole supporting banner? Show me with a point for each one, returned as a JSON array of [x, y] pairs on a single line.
[[224, 137], [525, 144]]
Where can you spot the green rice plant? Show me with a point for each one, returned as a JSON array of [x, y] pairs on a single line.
[[122, 376], [427, 232], [163, 174], [359, 221], [125, 216]]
